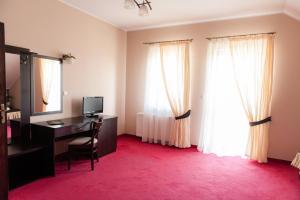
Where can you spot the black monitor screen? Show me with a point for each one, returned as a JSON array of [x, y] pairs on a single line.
[[92, 105]]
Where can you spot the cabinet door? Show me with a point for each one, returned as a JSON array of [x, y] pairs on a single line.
[[3, 136], [108, 137]]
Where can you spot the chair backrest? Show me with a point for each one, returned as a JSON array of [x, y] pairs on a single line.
[[95, 128]]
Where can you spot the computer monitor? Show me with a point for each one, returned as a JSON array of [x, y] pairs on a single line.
[[92, 106]]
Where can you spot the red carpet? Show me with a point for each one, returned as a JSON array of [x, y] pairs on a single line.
[[144, 171]]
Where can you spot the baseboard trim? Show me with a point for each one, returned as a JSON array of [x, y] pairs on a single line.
[[279, 160], [135, 136], [195, 146]]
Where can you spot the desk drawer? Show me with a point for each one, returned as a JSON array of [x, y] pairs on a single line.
[[82, 127], [61, 132]]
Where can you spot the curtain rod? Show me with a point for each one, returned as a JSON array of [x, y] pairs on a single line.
[[231, 36], [160, 42]]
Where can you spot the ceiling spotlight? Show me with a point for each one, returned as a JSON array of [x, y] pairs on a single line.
[[143, 7]]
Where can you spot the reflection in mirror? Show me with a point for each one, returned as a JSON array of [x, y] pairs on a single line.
[[13, 89], [47, 92]]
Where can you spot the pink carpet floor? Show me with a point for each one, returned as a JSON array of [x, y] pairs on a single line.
[[140, 171]]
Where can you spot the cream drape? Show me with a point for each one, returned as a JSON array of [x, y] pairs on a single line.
[[252, 58], [296, 161], [47, 72], [176, 76]]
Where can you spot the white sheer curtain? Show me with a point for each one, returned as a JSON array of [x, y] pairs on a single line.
[[50, 75], [237, 98], [154, 124], [167, 100], [225, 128]]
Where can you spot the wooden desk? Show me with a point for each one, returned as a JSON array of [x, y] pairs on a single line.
[[44, 134]]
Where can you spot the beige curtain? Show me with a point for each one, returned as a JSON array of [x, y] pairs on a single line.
[[253, 67], [296, 161], [176, 76]]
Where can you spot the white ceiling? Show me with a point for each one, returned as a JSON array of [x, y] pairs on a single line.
[[175, 12]]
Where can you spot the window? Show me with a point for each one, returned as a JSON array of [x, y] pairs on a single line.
[[237, 99], [225, 127], [167, 95], [156, 100]]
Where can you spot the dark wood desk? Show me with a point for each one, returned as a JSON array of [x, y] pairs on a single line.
[[44, 134]]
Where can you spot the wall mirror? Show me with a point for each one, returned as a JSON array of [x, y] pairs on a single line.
[[46, 85], [13, 89]]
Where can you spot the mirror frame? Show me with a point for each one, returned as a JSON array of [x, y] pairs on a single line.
[[23, 136], [33, 113]]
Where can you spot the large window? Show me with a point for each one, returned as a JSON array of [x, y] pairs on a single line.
[[225, 127], [165, 118], [237, 97], [156, 100]]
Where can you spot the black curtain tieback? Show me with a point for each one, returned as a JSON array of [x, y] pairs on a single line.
[[266, 120], [45, 102], [185, 115]]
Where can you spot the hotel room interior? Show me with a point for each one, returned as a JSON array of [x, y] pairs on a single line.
[[150, 99]]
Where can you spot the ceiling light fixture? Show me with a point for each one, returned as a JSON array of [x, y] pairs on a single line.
[[143, 7], [129, 4]]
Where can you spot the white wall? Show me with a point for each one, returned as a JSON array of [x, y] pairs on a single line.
[[52, 28]]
